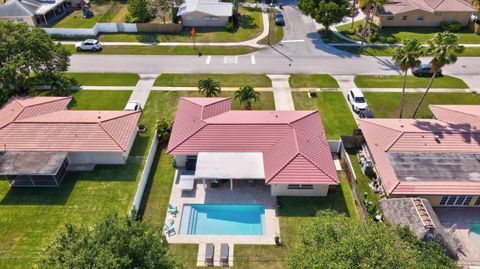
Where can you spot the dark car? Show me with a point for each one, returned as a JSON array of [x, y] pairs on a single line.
[[424, 70], [279, 20], [366, 114]]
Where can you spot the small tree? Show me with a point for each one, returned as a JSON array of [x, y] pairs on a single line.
[[246, 95], [443, 47], [369, 7], [407, 57], [164, 128], [326, 12], [140, 11], [114, 242], [209, 87]]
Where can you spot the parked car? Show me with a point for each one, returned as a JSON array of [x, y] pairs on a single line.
[[279, 20], [88, 45], [357, 100], [133, 106], [423, 70], [366, 114]]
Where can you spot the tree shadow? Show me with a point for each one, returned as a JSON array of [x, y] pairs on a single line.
[[247, 22], [469, 133]]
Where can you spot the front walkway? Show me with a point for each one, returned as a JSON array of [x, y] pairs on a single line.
[[281, 92], [242, 193], [142, 89]]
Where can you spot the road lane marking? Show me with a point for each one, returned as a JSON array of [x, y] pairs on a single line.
[[209, 58], [291, 41], [253, 59], [230, 59]]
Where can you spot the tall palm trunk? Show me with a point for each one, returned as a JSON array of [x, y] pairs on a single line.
[[367, 23], [424, 95], [353, 13], [403, 92]]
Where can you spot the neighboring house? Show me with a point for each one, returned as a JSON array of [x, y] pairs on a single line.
[[34, 12], [437, 159], [205, 13], [423, 12], [40, 139], [287, 150]]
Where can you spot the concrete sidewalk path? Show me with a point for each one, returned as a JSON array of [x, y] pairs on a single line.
[[142, 89], [282, 93]]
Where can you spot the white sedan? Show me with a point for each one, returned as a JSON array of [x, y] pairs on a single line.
[[357, 100]]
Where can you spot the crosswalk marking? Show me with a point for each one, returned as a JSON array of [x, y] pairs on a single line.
[[230, 60], [209, 58], [253, 59]]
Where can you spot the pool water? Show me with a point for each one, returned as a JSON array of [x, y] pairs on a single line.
[[474, 234], [214, 219]]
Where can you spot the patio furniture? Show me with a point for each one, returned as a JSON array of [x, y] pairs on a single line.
[[224, 254], [209, 250], [173, 210], [187, 181], [169, 229]]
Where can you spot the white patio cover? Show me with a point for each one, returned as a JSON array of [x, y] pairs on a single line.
[[230, 165]]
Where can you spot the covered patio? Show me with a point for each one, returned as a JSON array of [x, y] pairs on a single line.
[[34, 169], [245, 166]]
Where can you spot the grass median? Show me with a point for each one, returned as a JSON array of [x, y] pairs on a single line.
[[389, 51], [275, 34], [168, 50], [226, 80], [316, 81], [104, 79], [396, 81]]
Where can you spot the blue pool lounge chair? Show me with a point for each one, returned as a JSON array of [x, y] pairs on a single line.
[[173, 210], [209, 250], [224, 254], [169, 229]]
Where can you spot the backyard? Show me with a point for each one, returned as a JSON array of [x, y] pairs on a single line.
[[387, 105], [396, 81], [251, 26], [104, 11], [31, 217]]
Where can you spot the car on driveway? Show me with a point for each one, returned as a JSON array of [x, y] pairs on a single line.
[[356, 99], [133, 106], [279, 20], [365, 114], [424, 70], [88, 45]]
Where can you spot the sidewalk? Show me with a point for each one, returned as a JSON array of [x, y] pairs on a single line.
[[252, 42], [282, 93], [142, 89]]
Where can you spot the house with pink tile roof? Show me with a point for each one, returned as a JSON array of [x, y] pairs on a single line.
[[423, 12], [438, 159], [287, 150], [40, 139]]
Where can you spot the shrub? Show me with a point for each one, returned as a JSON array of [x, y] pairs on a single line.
[[453, 26], [141, 126], [229, 26], [164, 128]]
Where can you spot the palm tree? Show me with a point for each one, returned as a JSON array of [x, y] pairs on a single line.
[[443, 47], [246, 95], [367, 6], [209, 87], [407, 57]]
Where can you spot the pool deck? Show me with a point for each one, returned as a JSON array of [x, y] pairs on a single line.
[[242, 193], [461, 218]]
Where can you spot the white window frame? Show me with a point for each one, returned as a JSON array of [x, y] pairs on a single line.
[[456, 200]]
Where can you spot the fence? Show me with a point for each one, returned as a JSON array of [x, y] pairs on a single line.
[[145, 174], [335, 145], [115, 28], [352, 180]]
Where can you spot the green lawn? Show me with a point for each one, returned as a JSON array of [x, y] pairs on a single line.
[[389, 51], [104, 79], [251, 26], [30, 218], [329, 37], [336, 116], [226, 80], [168, 50], [104, 10], [393, 35], [316, 81], [387, 105], [396, 81], [99, 100], [275, 34]]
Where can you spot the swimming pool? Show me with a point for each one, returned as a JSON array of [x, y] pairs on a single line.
[[474, 234], [215, 219]]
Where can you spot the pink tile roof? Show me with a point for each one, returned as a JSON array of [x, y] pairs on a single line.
[[45, 124], [458, 114], [408, 135], [293, 143], [430, 6]]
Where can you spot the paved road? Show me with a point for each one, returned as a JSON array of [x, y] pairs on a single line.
[[302, 51]]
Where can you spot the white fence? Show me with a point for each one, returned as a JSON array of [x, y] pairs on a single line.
[[98, 28], [145, 174]]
